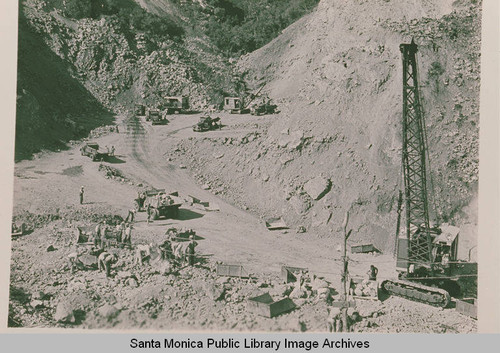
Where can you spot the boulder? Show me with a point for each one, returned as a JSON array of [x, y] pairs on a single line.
[[291, 141], [300, 206], [322, 217], [36, 303], [108, 311], [64, 313], [38, 295], [132, 282], [214, 292], [318, 187]]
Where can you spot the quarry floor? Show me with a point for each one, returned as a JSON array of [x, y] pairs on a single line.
[[50, 183]]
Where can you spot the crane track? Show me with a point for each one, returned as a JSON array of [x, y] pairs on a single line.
[[417, 292]]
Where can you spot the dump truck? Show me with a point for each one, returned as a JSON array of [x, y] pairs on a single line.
[[160, 204], [176, 104], [153, 114], [207, 123], [92, 150], [140, 110]]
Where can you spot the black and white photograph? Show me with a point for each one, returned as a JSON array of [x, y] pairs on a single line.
[[246, 166]]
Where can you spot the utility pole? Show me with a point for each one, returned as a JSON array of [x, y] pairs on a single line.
[[398, 223], [345, 274]]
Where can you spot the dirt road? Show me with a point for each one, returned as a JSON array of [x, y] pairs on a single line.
[[230, 235]]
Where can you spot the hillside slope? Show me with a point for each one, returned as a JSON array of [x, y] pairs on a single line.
[[52, 106], [336, 75], [114, 65]]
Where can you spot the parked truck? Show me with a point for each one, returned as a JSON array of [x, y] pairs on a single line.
[[92, 150], [158, 203], [176, 104]]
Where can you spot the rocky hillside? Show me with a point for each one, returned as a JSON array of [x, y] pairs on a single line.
[[112, 63], [336, 75]]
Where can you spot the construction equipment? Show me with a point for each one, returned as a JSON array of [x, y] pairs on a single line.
[[207, 123], [176, 104], [140, 110], [158, 119], [18, 230], [427, 263], [159, 204], [153, 114], [92, 150], [237, 105], [263, 108]]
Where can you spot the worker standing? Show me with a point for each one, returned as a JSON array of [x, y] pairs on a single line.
[[82, 191], [112, 151], [190, 250], [148, 210], [128, 234], [130, 216], [372, 273]]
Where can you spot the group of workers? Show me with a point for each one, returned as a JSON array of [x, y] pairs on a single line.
[[122, 233]]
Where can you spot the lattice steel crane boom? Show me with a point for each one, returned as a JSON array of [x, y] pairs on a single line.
[[414, 163]]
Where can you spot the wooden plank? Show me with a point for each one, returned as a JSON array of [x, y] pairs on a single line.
[[466, 308]]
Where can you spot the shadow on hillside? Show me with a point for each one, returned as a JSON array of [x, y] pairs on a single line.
[[53, 107]]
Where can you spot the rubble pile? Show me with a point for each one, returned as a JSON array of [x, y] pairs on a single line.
[[161, 294], [113, 173], [101, 131]]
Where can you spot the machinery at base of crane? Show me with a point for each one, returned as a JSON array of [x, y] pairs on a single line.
[[427, 262]]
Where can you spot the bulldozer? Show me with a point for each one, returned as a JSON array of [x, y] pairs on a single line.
[[264, 108], [207, 123], [159, 204]]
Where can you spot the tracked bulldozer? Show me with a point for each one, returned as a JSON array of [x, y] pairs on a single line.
[[427, 262]]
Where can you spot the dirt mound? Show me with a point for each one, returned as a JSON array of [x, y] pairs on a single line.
[[336, 75]]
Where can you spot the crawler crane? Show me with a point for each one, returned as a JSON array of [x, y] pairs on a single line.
[[427, 263]]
